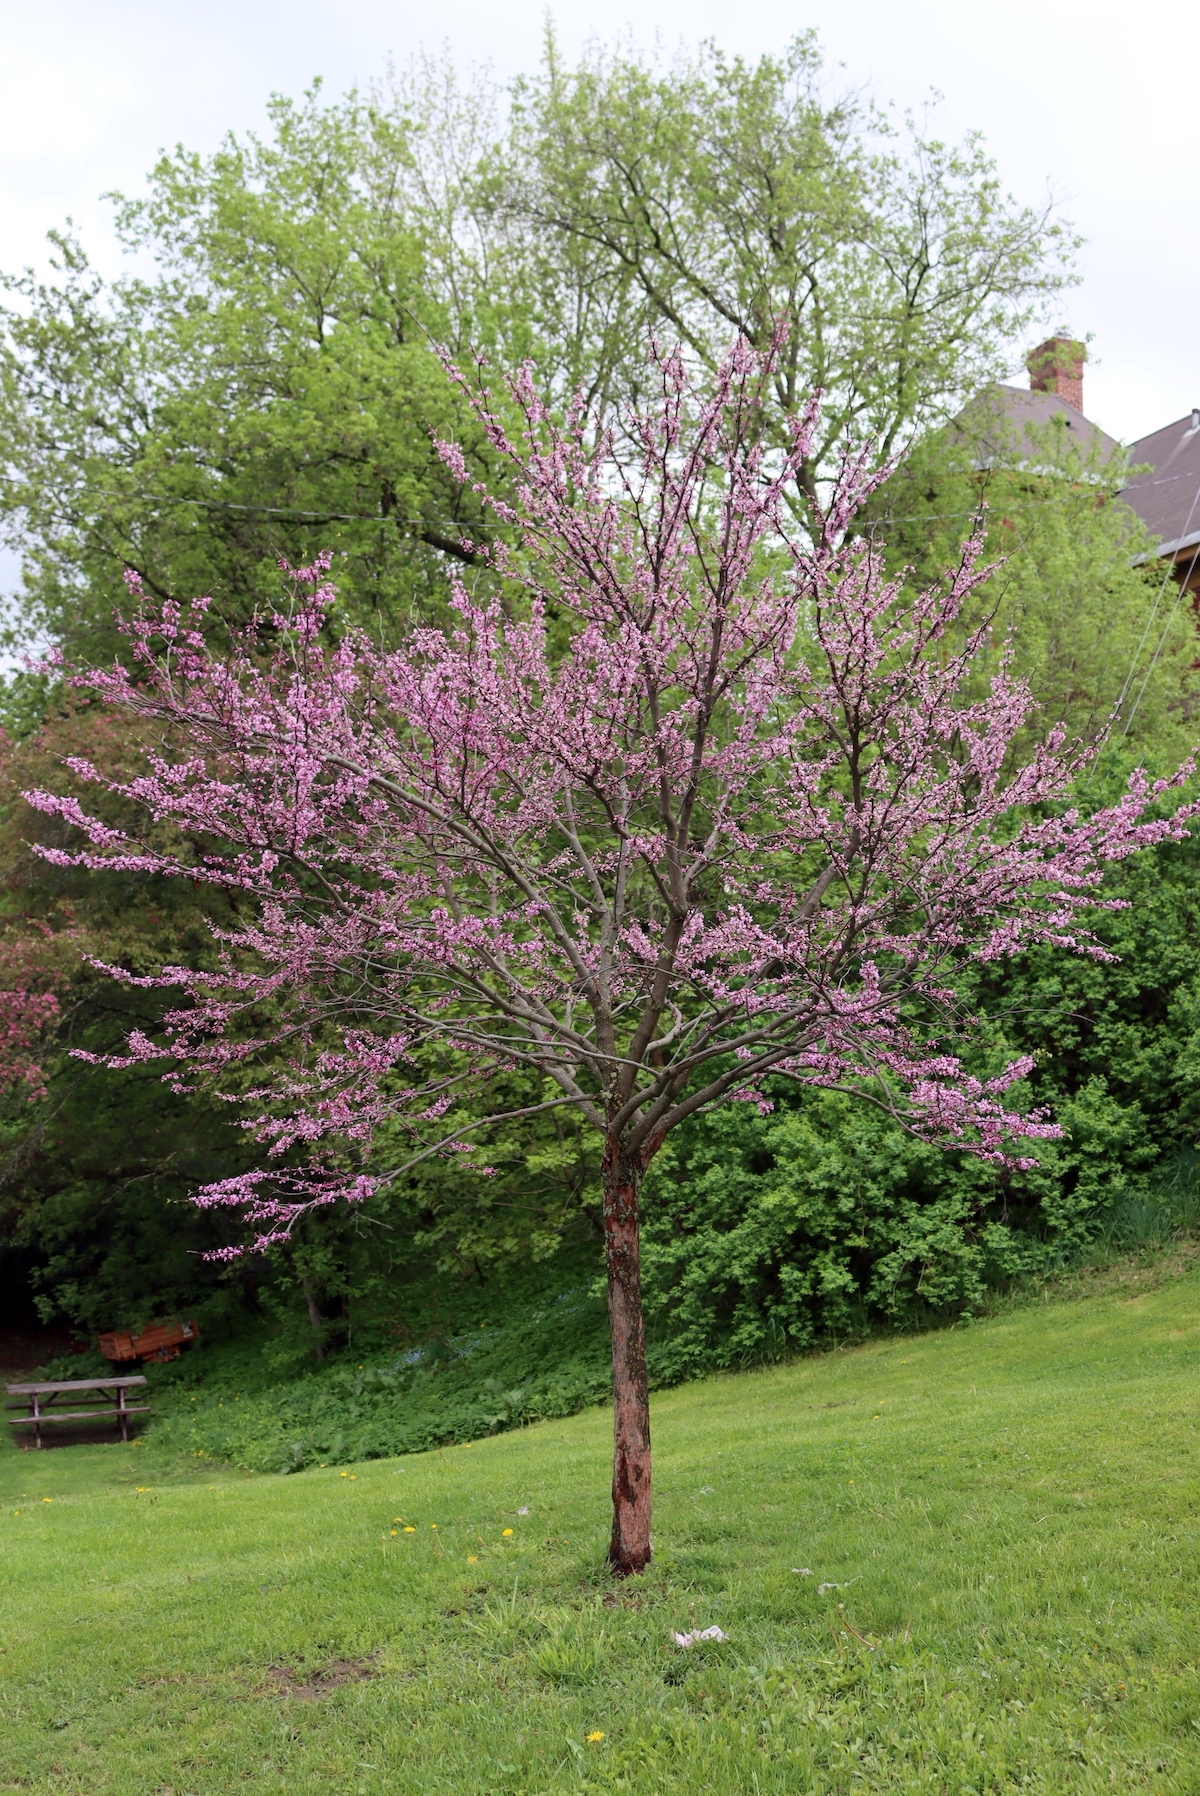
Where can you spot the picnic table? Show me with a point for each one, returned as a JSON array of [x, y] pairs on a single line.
[[108, 1398]]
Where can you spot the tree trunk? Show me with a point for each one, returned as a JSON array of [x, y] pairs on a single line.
[[315, 1318], [630, 1547]]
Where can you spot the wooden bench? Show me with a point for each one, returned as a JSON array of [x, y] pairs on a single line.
[[109, 1396]]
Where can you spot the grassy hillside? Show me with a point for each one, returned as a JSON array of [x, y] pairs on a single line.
[[958, 1563]]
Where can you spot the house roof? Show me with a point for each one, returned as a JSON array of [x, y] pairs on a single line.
[[1167, 499], [1001, 416]]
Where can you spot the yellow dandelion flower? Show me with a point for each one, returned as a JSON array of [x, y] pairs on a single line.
[[472, 1558], [595, 1736], [353, 1477], [343, 1474], [433, 1525], [47, 1499], [410, 1530], [506, 1532], [392, 1532]]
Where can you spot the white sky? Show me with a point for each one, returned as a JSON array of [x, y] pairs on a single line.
[[1094, 101]]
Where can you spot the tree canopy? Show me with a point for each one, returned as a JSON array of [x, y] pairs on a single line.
[[268, 387], [709, 197], [262, 382]]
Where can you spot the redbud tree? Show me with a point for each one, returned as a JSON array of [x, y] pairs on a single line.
[[679, 804]]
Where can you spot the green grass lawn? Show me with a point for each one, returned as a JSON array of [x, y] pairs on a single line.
[[959, 1563]]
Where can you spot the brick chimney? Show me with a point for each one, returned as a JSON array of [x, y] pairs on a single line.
[[1056, 366]]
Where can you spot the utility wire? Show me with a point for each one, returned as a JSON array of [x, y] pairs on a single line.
[[1183, 586], [1137, 655], [363, 517], [351, 517], [280, 511]]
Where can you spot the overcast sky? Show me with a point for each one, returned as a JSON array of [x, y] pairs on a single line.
[[1095, 102]]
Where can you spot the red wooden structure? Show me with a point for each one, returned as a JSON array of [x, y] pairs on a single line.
[[158, 1340]]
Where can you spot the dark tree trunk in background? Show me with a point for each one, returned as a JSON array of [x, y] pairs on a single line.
[[630, 1547], [315, 1318]]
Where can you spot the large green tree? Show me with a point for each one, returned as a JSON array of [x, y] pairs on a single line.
[[262, 385], [710, 196], [262, 382]]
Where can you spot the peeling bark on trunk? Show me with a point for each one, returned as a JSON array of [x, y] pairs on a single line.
[[630, 1547]]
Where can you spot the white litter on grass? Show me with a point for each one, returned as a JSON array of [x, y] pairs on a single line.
[[522, 1512], [802, 1571], [706, 1490], [822, 1588], [686, 1640]]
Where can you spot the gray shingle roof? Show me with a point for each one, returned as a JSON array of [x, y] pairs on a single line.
[[1168, 498], [999, 419]]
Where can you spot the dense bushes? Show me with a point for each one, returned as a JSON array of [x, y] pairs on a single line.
[[768, 1233]]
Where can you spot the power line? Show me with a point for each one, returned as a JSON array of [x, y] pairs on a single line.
[[363, 517], [1183, 586], [352, 517], [1168, 570], [280, 511]]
